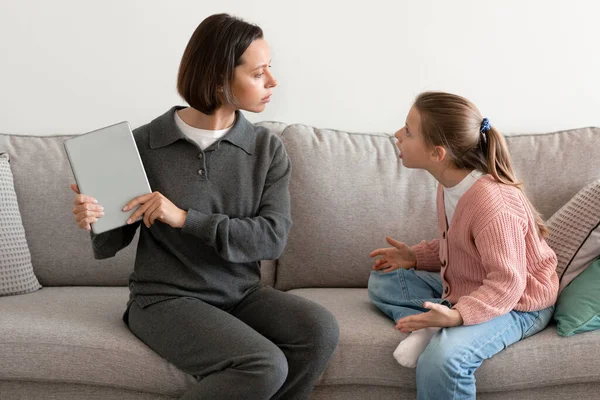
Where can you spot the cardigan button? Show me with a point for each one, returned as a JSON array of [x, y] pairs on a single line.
[[446, 290], [444, 264], [444, 235]]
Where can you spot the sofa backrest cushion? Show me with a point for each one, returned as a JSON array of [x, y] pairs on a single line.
[[555, 166], [349, 191], [61, 253]]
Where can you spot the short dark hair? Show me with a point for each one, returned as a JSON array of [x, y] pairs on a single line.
[[210, 58]]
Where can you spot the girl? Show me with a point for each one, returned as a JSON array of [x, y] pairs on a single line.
[[220, 205], [496, 282]]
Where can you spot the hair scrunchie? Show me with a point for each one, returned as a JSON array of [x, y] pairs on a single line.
[[485, 126]]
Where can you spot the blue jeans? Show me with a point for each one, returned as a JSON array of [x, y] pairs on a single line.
[[446, 368]]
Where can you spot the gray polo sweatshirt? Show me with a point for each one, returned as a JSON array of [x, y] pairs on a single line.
[[238, 203]]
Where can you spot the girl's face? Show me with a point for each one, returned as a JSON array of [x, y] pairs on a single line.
[[252, 81], [414, 152]]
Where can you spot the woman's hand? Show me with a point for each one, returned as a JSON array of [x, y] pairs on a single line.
[[154, 206], [86, 209], [440, 316], [392, 258]]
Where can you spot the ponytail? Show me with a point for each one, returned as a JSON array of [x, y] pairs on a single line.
[[500, 167]]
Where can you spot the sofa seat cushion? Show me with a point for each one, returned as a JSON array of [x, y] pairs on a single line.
[[368, 339], [77, 335]]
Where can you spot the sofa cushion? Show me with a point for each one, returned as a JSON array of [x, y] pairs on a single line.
[[578, 306], [16, 271], [76, 335], [575, 233], [555, 166], [61, 253], [348, 192], [368, 339]]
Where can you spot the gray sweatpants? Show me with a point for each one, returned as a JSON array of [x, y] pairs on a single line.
[[271, 345]]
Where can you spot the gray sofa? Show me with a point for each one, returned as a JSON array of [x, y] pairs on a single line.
[[67, 340]]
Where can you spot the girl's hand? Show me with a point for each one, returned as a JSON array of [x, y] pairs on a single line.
[[86, 209], [154, 206], [440, 316], [392, 258]]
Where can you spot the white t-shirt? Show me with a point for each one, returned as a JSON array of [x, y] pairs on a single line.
[[453, 194], [203, 137]]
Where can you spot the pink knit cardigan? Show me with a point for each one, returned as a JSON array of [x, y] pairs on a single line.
[[490, 257]]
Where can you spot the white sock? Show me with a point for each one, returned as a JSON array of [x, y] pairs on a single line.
[[408, 351]]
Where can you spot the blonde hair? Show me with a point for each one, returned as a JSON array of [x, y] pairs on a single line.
[[455, 123]]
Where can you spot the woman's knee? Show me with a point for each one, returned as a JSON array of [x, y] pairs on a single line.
[[273, 368], [329, 332], [323, 330], [267, 365], [261, 371]]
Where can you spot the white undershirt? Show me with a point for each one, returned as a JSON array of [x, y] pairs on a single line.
[[453, 194], [203, 137]]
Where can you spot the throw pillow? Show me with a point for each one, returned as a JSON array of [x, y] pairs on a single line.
[[16, 271], [575, 233], [578, 306]]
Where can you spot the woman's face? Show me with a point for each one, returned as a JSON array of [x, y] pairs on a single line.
[[252, 80]]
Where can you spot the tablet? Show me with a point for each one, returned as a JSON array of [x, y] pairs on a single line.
[[107, 166]]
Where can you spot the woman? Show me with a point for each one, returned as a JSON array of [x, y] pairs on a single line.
[[220, 204]]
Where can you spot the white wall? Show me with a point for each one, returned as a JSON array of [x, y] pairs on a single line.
[[70, 66]]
